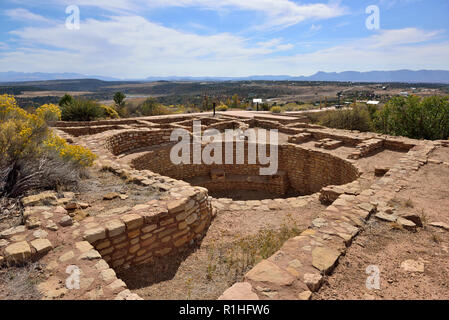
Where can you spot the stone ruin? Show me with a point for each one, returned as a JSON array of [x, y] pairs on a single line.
[[337, 167]]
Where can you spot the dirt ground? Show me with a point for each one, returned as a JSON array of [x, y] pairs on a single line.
[[206, 272], [100, 183], [383, 245], [19, 283], [10, 213]]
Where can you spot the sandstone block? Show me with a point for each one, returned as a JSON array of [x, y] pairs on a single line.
[[313, 281], [324, 259], [41, 245], [239, 291], [18, 252], [94, 234], [176, 206], [268, 272], [83, 246], [132, 221], [115, 227], [108, 275]]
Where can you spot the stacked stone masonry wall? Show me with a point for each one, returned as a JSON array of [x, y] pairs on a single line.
[[151, 230]]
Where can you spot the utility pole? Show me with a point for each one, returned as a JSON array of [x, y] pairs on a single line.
[[339, 98]]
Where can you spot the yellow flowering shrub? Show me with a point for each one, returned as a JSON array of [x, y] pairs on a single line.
[[77, 154], [9, 108], [110, 112], [26, 135], [49, 112]]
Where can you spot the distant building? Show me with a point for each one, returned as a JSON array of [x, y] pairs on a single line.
[[404, 94], [374, 103]]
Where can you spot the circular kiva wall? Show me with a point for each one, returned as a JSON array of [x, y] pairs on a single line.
[[301, 171]]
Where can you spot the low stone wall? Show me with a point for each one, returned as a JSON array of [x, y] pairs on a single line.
[[279, 119], [277, 185], [307, 170], [152, 230], [310, 170], [133, 140], [88, 130], [114, 122]]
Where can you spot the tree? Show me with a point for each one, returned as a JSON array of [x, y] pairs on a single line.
[[67, 99], [119, 99], [235, 101]]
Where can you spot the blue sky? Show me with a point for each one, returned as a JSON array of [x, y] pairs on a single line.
[[137, 39]]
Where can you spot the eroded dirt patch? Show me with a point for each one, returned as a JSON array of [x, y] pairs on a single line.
[[20, 283], [383, 246]]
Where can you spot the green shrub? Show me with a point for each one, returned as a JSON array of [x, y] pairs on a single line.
[[66, 100], [276, 110], [119, 99], [264, 107], [152, 108], [415, 117], [351, 119], [82, 110]]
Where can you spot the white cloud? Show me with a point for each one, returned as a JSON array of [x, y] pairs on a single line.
[[315, 28], [389, 50], [401, 36], [278, 13], [25, 15], [129, 46]]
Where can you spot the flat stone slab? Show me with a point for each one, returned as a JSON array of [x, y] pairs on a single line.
[[267, 271], [324, 259], [440, 225], [239, 291], [413, 266]]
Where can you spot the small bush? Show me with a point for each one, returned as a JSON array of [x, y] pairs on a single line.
[[31, 156], [82, 110], [49, 112], [222, 107], [109, 112], [276, 110], [353, 119], [152, 108], [264, 107], [66, 100]]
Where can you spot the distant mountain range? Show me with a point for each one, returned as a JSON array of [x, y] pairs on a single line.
[[408, 76], [12, 76]]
